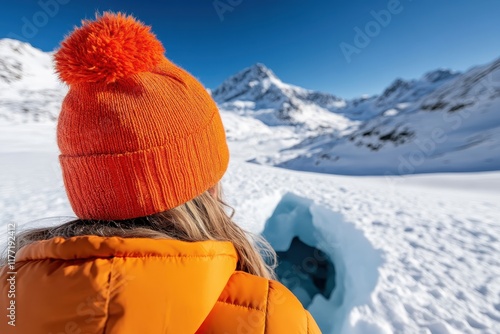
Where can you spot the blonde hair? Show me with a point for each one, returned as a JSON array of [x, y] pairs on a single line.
[[202, 218]]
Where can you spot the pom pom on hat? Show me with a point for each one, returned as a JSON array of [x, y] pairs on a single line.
[[112, 47]]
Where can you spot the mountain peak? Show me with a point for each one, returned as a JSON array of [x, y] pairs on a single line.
[[439, 74], [261, 71], [257, 71], [398, 87], [255, 79]]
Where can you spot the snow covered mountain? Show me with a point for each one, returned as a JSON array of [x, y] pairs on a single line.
[[29, 89], [258, 92], [445, 121], [264, 115]]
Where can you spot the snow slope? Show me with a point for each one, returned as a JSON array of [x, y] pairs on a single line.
[[413, 254], [29, 89]]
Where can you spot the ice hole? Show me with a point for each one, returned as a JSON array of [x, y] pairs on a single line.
[[306, 271], [325, 261], [304, 266]]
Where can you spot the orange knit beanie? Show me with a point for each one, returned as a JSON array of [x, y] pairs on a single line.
[[138, 135]]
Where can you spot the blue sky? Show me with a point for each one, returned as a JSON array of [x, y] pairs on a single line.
[[304, 42]]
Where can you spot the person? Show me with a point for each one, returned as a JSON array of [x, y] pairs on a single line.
[[154, 249]]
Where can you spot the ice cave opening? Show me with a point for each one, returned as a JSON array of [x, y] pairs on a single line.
[[306, 271], [305, 265], [328, 263]]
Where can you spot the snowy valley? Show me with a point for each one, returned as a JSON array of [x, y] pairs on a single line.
[[443, 122]]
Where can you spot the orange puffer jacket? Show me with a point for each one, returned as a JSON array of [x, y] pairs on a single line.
[[114, 285]]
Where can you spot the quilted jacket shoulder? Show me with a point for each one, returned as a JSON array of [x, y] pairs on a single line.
[[251, 304]]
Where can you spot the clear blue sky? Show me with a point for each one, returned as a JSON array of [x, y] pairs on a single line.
[[298, 39]]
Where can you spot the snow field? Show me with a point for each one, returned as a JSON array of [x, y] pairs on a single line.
[[412, 254], [438, 270]]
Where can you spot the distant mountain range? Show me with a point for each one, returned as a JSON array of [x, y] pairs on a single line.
[[445, 121]]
